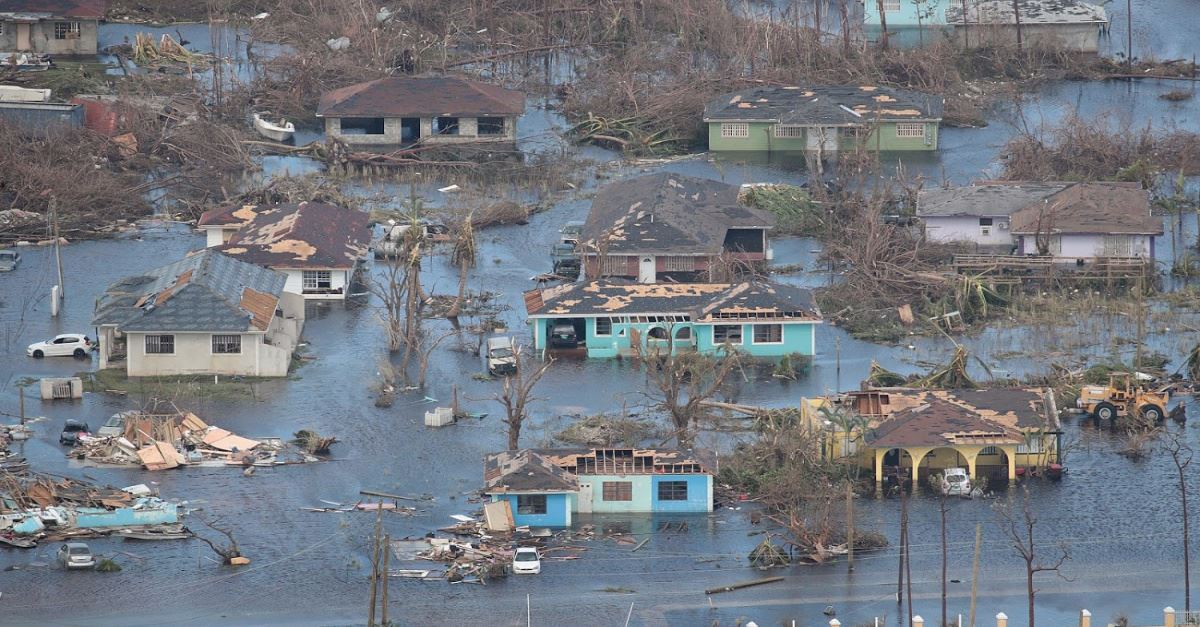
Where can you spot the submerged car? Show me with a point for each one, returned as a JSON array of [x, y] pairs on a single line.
[[72, 431], [570, 232], [115, 425], [563, 336], [67, 344], [9, 260], [501, 359], [76, 555], [526, 561], [956, 482]]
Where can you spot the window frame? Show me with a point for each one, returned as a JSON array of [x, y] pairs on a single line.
[[619, 491], [479, 126], [159, 343], [989, 450], [891, 6], [767, 326], [673, 492], [316, 276], [596, 326], [910, 130], [792, 131], [220, 343], [741, 337], [64, 30], [735, 130], [532, 504]]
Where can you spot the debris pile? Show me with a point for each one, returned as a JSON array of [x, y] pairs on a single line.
[[313, 442]]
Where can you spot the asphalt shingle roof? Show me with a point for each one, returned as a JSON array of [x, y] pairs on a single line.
[[304, 235], [704, 301], [983, 199], [421, 96], [1032, 12], [825, 105]]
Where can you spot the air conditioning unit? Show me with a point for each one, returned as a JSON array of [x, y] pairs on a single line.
[[985, 231], [1003, 226]]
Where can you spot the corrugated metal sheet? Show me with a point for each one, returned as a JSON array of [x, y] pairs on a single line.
[[36, 119]]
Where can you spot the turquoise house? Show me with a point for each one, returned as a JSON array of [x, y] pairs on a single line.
[[755, 318], [544, 487]]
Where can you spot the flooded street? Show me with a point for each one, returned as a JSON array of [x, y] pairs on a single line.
[[1118, 518]]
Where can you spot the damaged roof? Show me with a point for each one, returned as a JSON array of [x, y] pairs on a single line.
[[983, 199], [525, 471], [229, 215], [667, 213], [304, 235], [1091, 208], [203, 292], [55, 8], [925, 420], [428, 96], [938, 422], [1032, 12], [705, 302], [825, 105]]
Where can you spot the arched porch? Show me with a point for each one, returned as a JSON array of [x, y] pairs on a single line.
[[996, 462]]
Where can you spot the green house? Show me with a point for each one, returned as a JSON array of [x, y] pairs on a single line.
[[823, 119], [755, 318]]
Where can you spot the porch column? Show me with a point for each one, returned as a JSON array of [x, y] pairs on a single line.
[[972, 456], [1010, 452], [917, 456], [879, 470]]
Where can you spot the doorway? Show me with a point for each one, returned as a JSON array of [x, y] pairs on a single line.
[[646, 270], [23, 43]]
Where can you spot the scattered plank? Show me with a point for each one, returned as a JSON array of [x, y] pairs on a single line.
[[745, 584]]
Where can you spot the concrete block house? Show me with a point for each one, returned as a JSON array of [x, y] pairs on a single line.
[[547, 487], [979, 214], [206, 314], [758, 319], [669, 227], [823, 119], [1069, 24], [56, 27], [402, 110]]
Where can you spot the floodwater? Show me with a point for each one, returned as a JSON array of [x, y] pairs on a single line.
[[1119, 518]]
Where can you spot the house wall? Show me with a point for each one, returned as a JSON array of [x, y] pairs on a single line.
[[193, 355], [762, 139], [967, 229], [798, 337], [41, 38], [1091, 246], [699, 494], [558, 510], [154, 513], [645, 494], [467, 132], [907, 13], [339, 279], [1073, 37], [217, 235]]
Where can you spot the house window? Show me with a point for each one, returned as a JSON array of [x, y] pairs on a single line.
[[66, 30], [985, 226], [603, 327], [657, 333], [679, 264], [989, 450], [614, 265], [910, 129], [735, 130], [226, 344], [768, 334], [160, 344], [491, 126], [794, 132], [318, 280], [1034, 445], [617, 491], [672, 490], [891, 6], [531, 504], [445, 125], [362, 126], [731, 333], [684, 334]]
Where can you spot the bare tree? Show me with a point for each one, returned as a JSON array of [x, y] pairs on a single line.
[[1018, 522], [390, 288], [883, 32], [226, 552], [516, 396], [683, 379], [1181, 455], [464, 255]]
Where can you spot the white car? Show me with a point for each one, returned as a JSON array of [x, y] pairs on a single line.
[[72, 344], [526, 561], [76, 555], [956, 482]]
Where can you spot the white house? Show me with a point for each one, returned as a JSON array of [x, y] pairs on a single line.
[[206, 314], [1088, 221], [221, 223], [319, 247], [979, 214]]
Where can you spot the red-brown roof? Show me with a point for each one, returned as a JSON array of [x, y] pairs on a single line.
[[57, 8], [421, 97], [305, 235], [1091, 208], [230, 215], [939, 422]]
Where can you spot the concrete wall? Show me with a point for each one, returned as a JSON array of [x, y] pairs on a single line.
[[798, 337], [558, 510], [1090, 246], [339, 279], [967, 229], [467, 132], [1073, 37], [762, 139], [35, 119], [41, 38], [907, 13], [215, 236], [193, 355], [645, 494], [699, 494]]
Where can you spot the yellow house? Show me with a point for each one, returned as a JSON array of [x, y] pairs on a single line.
[[992, 432]]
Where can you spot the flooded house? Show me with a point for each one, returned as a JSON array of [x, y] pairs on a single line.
[[995, 433], [207, 313], [670, 227], [320, 248], [546, 487], [404, 110], [219, 224], [1064, 24], [61, 27], [981, 213], [608, 319], [823, 119]]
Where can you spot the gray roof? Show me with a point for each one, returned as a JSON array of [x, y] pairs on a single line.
[[668, 213], [203, 292], [987, 199], [525, 471], [825, 105], [1032, 12], [706, 302]]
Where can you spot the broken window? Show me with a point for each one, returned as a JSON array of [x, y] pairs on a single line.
[[531, 504], [768, 334], [160, 344], [362, 126], [226, 344], [735, 130], [672, 490], [317, 280], [731, 333], [445, 125], [910, 129], [410, 129], [744, 240], [603, 326], [684, 334], [490, 126], [66, 30], [617, 491], [657, 333]]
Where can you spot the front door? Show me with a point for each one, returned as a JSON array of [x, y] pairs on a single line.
[[822, 139], [646, 271], [583, 500], [23, 38]]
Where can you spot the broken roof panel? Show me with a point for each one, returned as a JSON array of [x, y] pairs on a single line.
[[1091, 208], [56, 8], [1032, 12], [304, 235], [229, 215], [1009, 410], [667, 213], [428, 96], [825, 105], [705, 302], [938, 422], [523, 472]]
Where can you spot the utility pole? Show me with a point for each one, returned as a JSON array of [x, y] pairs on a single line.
[[944, 559], [386, 548], [1017, 16], [883, 33], [59, 292], [850, 526], [966, 39], [846, 29], [975, 570], [375, 565], [21, 390], [837, 351], [903, 539], [908, 563], [1129, 35]]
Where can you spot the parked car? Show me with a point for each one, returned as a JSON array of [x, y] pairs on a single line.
[[71, 432], [956, 482], [74, 344], [9, 260], [570, 232], [526, 561], [501, 359], [563, 336], [566, 261], [76, 555], [115, 425]]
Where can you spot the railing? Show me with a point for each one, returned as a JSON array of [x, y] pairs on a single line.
[[1183, 618], [1037, 267]]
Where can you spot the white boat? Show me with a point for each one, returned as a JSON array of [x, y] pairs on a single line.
[[279, 132]]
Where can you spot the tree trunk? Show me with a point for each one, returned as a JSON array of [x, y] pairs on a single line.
[[883, 33]]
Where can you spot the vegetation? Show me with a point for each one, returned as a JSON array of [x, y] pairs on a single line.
[[795, 211]]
